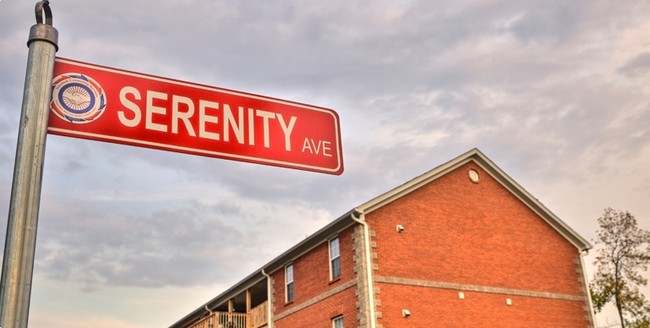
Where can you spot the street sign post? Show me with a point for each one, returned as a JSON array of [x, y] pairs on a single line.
[[113, 105], [106, 104], [20, 245]]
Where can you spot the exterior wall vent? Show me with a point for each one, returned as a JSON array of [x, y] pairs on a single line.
[[473, 176]]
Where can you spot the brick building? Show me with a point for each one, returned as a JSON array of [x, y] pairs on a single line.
[[462, 245]]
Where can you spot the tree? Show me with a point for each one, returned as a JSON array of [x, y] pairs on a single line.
[[624, 252]]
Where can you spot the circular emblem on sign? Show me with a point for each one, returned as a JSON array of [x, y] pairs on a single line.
[[77, 98]]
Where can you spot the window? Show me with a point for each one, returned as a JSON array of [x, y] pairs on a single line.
[[288, 283], [335, 259], [337, 322]]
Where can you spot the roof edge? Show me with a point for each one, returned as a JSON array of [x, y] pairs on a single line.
[[276, 263], [499, 175]]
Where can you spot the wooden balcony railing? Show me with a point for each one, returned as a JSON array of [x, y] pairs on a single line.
[[222, 320], [256, 318]]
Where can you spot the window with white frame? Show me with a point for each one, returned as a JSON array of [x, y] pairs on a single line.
[[337, 322], [335, 258], [288, 283]]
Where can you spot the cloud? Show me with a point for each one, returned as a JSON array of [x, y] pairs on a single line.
[[99, 237], [638, 65], [97, 249]]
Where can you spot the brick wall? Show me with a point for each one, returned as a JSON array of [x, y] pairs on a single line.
[[471, 233], [443, 308], [320, 314], [461, 234], [317, 299]]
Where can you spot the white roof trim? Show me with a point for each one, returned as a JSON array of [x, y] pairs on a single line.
[[486, 164]]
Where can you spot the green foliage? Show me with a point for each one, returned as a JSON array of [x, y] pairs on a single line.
[[639, 323], [602, 290], [624, 252]]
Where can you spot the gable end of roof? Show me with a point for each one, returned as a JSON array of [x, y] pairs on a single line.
[[495, 172]]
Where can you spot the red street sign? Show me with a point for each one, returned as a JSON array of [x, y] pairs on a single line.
[[112, 105]]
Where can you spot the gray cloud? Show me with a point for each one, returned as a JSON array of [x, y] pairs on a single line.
[[106, 248], [638, 65]]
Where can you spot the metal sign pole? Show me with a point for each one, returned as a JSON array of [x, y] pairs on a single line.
[[20, 244]]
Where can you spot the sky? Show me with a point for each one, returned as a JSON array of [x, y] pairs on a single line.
[[556, 93]]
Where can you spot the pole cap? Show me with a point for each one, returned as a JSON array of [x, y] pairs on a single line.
[[43, 31]]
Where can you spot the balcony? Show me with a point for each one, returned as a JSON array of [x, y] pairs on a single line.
[[255, 318]]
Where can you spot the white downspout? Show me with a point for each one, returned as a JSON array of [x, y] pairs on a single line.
[[210, 323], [586, 283], [269, 301], [371, 294]]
